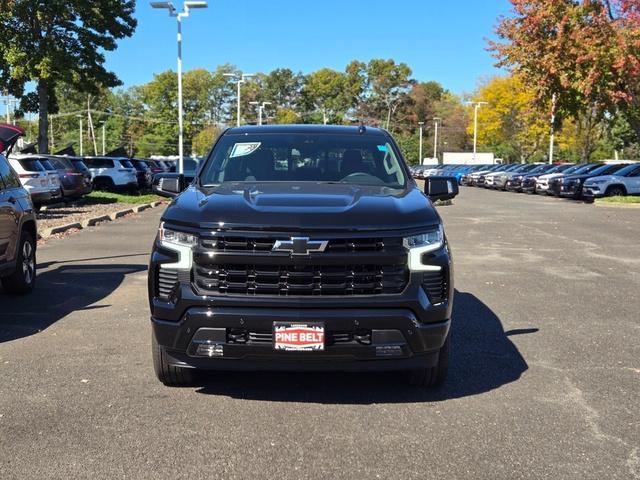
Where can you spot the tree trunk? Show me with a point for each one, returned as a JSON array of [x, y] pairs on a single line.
[[43, 117]]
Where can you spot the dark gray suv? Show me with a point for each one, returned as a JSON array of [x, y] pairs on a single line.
[[18, 234]]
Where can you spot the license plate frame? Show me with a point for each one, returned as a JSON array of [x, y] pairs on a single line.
[[299, 336]]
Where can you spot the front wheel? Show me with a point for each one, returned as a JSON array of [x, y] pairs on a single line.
[[433, 376], [23, 278], [616, 191], [168, 374]]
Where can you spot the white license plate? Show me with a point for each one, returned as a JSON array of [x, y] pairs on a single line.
[[298, 337]]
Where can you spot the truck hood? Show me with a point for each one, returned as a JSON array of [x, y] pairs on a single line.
[[302, 206]]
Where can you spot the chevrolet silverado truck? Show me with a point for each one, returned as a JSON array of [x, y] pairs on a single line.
[[301, 248]]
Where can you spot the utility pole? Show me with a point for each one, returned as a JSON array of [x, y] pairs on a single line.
[[103, 138], [477, 106], [554, 100], [420, 147], [9, 101], [90, 127], [435, 138], [81, 150], [188, 6], [241, 78]]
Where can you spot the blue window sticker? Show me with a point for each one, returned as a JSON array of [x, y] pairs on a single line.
[[382, 148]]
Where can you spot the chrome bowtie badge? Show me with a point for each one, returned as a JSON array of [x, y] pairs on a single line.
[[300, 246]]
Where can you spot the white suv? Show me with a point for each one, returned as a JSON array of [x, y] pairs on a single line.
[[624, 182], [112, 173], [35, 179]]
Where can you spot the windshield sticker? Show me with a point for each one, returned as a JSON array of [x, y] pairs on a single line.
[[246, 148], [382, 148]]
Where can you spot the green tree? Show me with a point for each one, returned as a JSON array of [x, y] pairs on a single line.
[[388, 85], [203, 140], [282, 88], [53, 41], [325, 91]]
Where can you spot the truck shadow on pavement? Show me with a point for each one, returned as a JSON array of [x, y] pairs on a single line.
[[59, 291], [483, 358]]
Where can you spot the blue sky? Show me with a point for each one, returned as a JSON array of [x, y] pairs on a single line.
[[439, 40]]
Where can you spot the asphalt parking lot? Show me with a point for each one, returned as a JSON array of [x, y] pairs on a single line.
[[545, 376]]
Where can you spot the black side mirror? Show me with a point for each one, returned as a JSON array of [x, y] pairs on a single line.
[[441, 188], [168, 184]]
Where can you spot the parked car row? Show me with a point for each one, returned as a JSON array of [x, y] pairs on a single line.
[[575, 181], [48, 178]]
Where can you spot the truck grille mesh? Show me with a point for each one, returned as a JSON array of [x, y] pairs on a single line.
[[285, 280]]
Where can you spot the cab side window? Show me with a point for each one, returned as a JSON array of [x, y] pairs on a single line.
[[8, 177]]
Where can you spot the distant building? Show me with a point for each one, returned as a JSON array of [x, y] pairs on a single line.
[[463, 158]]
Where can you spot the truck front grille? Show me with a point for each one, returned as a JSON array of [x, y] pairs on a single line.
[[265, 244], [285, 280]]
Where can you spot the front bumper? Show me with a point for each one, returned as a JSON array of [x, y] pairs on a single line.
[[513, 186], [397, 340], [592, 191], [403, 331], [571, 191]]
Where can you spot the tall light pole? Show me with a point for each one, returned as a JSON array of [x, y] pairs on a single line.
[[420, 147], [188, 6], [260, 109], [477, 106], [81, 149], [241, 78], [435, 138], [553, 124]]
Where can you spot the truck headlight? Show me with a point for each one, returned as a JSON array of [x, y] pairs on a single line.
[[426, 242], [175, 237], [180, 242]]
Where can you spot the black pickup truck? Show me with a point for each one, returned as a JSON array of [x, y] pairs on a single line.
[[301, 248]]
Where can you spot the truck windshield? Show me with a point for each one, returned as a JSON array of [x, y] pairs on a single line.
[[350, 159]]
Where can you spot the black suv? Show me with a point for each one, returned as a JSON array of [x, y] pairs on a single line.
[[301, 248], [17, 223]]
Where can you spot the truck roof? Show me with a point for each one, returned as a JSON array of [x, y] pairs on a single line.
[[308, 129]]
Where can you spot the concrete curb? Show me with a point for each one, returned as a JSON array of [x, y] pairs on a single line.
[[120, 213], [60, 229], [90, 222], [95, 220]]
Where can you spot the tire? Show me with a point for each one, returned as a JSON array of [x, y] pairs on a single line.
[[103, 183], [23, 279], [616, 191], [168, 374], [433, 376]]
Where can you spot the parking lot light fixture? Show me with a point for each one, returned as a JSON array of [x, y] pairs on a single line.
[[435, 139], [188, 6], [240, 79], [477, 106], [260, 109]]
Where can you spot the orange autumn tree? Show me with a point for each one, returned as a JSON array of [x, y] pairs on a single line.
[[586, 53]]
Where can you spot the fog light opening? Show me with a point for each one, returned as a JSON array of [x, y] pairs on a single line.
[[210, 350]]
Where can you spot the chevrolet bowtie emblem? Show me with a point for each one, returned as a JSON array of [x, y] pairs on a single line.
[[300, 246]]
